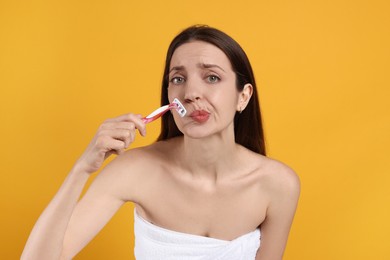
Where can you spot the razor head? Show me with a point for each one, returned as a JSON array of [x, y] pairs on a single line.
[[179, 107]]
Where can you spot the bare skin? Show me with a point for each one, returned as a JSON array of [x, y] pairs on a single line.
[[202, 183]]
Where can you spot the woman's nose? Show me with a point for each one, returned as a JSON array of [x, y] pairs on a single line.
[[192, 92]]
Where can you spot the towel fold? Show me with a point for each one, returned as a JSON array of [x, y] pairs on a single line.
[[154, 243]]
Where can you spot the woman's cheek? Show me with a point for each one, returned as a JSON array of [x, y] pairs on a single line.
[[172, 94]]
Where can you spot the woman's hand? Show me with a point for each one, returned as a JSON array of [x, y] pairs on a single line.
[[112, 137]]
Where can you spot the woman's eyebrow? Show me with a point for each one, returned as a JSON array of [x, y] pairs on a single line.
[[177, 68], [201, 65], [207, 66]]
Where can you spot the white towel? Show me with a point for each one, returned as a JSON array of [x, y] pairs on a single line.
[[155, 243]]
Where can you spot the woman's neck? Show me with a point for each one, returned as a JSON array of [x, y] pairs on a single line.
[[209, 158]]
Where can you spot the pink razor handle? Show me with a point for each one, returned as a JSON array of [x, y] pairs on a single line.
[[162, 110]]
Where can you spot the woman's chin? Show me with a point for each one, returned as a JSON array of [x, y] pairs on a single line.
[[196, 132]]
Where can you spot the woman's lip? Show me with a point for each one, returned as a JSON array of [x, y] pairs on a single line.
[[200, 116]]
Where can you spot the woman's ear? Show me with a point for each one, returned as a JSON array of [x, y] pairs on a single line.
[[244, 97]]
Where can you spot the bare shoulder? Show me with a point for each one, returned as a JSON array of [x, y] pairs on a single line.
[[282, 175], [140, 161], [128, 175], [276, 177], [154, 154]]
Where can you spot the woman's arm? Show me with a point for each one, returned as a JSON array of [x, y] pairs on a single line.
[[46, 240], [284, 189], [117, 183]]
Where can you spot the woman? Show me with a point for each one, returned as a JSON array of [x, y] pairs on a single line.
[[205, 190]]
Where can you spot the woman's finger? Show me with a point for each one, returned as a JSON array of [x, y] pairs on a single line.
[[124, 135], [116, 147], [118, 125], [131, 118]]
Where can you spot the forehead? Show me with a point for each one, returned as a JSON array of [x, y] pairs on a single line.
[[199, 52]]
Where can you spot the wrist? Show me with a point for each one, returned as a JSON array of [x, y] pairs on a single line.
[[79, 172], [83, 167]]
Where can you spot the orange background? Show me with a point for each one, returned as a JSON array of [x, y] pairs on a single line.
[[323, 73]]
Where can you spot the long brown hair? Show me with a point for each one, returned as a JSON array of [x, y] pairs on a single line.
[[248, 128]]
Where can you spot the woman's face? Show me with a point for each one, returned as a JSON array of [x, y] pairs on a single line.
[[201, 77]]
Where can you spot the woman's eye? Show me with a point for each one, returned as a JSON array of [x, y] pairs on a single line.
[[213, 79], [177, 80]]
